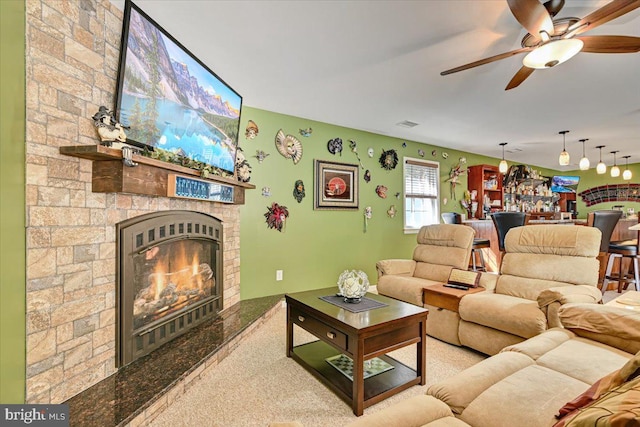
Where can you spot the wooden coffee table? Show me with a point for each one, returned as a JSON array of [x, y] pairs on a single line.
[[361, 336]]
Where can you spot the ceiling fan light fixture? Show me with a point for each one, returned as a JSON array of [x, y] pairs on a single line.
[[564, 158], [584, 161], [615, 170], [626, 175], [601, 168], [503, 166], [552, 53]]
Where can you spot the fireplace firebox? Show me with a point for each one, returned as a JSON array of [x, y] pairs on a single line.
[[169, 278]]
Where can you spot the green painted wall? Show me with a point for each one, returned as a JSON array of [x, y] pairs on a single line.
[[590, 178], [12, 202], [316, 246]]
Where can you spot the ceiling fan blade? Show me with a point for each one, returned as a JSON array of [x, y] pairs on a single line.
[[553, 6], [610, 44], [485, 61], [532, 15], [520, 76], [605, 14]]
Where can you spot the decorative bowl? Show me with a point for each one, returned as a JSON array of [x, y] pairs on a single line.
[[353, 285]]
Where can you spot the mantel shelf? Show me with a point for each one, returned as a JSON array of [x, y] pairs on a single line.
[[149, 177]]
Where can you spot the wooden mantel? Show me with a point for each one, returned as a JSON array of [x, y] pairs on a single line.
[[150, 177]]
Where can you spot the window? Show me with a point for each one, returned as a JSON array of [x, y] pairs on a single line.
[[421, 194]]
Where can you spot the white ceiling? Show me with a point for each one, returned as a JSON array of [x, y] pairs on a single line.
[[371, 64]]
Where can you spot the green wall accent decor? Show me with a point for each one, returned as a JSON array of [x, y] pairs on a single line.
[[12, 203], [590, 178], [315, 246]]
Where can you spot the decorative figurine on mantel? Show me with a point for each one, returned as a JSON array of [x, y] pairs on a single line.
[[109, 130]]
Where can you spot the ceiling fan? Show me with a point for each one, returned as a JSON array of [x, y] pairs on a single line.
[[553, 41]]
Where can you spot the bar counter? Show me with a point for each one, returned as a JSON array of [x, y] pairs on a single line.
[[485, 230]]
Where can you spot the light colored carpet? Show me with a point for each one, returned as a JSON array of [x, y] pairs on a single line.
[[257, 384]]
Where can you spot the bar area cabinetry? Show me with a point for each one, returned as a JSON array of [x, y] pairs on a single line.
[[486, 180]]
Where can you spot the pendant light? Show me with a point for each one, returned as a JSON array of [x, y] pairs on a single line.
[[564, 156], [584, 161], [626, 175], [503, 167], [601, 168], [615, 170]]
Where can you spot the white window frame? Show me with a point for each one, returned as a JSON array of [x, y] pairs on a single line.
[[435, 218]]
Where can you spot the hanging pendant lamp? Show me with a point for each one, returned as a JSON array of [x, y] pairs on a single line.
[[601, 168], [584, 161], [503, 167], [615, 170], [626, 175], [564, 156]]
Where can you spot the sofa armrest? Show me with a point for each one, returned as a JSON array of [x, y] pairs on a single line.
[[550, 300], [400, 267], [413, 412]]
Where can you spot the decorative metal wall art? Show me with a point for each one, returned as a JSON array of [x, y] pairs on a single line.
[[276, 216], [298, 190], [335, 146], [261, 155], [611, 193], [454, 175], [381, 191], [306, 132], [252, 130], [388, 159], [354, 149], [289, 146]]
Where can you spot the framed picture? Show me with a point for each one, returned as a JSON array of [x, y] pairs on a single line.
[[335, 186]]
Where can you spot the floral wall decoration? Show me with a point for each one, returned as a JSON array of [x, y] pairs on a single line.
[[252, 130], [298, 190], [388, 159], [289, 146], [276, 216]]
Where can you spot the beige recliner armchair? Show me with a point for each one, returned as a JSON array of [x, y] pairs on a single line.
[[441, 248], [544, 266]]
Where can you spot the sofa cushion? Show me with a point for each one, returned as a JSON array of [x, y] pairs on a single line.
[[564, 240], [611, 325], [416, 411], [506, 313], [583, 359], [460, 390], [404, 288], [530, 397], [442, 245]]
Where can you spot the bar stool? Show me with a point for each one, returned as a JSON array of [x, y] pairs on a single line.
[[478, 244], [605, 221], [505, 221], [624, 249]]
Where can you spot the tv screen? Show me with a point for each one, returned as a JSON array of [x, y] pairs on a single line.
[[170, 99], [564, 184]]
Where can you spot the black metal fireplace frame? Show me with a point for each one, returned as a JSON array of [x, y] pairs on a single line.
[[140, 234]]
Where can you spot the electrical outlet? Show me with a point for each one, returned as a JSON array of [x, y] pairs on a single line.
[[278, 274]]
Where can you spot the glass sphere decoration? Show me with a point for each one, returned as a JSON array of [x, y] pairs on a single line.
[[353, 285]]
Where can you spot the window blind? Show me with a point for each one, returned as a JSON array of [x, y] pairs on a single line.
[[421, 180]]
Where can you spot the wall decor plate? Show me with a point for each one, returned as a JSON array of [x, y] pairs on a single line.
[[335, 146]]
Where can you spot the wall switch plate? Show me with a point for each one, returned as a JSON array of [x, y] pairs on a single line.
[[278, 274]]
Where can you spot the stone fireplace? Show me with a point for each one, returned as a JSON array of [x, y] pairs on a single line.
[[72, 50], [168, 278]]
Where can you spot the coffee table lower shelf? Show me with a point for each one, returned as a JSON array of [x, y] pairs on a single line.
[[376, 388]]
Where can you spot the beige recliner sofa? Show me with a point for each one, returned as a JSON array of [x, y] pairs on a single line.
[[441, 247], [544, 267], [526, 384]]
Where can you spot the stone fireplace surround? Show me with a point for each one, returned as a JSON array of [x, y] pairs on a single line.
[[72, 50]]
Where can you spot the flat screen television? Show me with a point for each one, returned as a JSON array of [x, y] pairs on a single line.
[[564, 184], [170, 99]]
